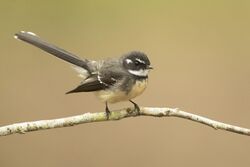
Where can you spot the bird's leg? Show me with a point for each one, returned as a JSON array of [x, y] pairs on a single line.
[[136, 107], [107, 111]]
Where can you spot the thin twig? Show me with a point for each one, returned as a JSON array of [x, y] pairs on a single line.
[[24, 127]]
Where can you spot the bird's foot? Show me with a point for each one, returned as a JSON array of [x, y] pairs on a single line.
[[136, 107], [108, 113]]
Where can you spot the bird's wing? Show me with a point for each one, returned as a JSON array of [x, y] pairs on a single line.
[[97, 82]]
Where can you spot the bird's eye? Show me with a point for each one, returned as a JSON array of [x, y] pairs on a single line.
[[137, 63]]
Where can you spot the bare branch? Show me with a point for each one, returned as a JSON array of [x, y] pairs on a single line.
[[116, 115]]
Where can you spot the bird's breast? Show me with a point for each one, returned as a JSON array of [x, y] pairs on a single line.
[[116, 95]]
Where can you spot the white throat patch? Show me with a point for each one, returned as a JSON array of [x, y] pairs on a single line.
[[140, 73]]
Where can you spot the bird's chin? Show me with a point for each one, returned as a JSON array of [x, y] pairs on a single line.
[[140, 73]]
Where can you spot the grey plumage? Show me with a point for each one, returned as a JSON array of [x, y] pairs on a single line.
[[109, 73], [113, 80]]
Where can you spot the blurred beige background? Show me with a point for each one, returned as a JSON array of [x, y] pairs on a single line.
[[201, 54]]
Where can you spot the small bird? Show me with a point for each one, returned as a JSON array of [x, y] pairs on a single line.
[[112, 80]]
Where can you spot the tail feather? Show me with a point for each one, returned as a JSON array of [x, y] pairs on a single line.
[[35, 40]]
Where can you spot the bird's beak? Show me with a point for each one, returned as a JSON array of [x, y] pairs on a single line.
[[150, 67]]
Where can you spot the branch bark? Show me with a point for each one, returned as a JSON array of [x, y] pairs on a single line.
[[24, 127]]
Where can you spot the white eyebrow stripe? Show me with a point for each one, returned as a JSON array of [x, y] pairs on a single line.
[[129, 61], [141, 61]]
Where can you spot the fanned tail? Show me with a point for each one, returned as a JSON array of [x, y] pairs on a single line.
[[35, 40]]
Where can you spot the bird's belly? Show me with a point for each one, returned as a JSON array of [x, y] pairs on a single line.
[[116, 95]]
